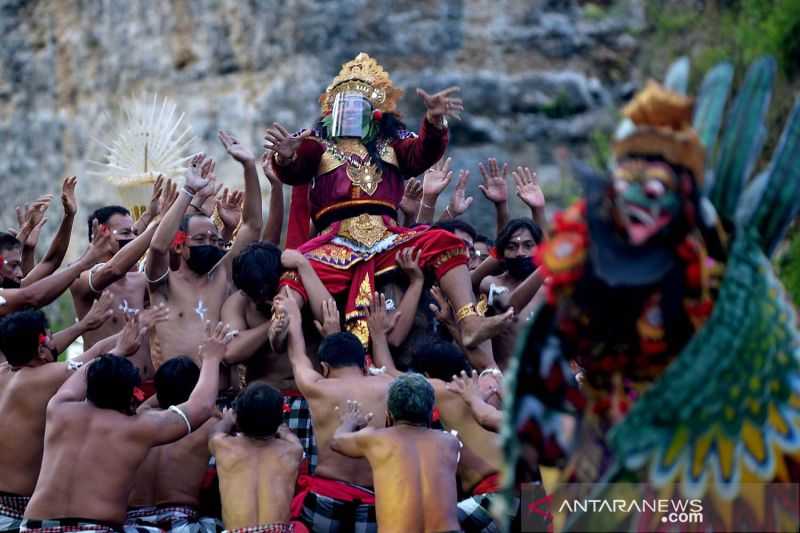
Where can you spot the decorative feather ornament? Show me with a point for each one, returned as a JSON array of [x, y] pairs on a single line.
[[151, 139]]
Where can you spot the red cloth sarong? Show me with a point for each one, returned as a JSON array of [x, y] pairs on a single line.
[[489, 484], [331, 488]]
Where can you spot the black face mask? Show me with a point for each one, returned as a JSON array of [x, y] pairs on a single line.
[[519, 267], [123, 242], [9, 283], [203, 258]]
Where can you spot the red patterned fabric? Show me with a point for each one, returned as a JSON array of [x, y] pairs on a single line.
[[331, 488]]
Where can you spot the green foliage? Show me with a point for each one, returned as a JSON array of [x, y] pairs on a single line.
[[600, 143], [788, 266]]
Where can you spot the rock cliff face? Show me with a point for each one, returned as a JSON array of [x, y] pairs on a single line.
[[534, 74]]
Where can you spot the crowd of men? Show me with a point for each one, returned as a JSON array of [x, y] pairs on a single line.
[[210, 395]]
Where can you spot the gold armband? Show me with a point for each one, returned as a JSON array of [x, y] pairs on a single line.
[[466, 310]]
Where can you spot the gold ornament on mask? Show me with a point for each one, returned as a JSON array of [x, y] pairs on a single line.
[[663, 128], [365, 76]]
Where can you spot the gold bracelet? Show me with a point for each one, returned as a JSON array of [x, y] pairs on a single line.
[[466, 310]]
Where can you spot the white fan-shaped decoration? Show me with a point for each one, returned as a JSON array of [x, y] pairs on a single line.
[[150, 140]]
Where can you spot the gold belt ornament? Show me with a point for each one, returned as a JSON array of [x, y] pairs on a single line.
[[364, 229]]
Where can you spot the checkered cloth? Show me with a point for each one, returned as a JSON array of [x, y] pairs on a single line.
[[173, 518], [298, 418], [64, 525], [264, 528], [12, 508], [327, 515], [475, 515]]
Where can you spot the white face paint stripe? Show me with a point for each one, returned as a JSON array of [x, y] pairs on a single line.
[[201, 310]]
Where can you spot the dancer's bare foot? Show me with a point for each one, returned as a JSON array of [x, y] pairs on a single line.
[[475, 329]]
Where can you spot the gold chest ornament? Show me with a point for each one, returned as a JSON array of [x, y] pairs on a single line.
[[361, 170]]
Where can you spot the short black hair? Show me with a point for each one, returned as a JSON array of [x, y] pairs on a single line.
[[440, 359], [184, 225], [8, 242], [259, 410], [411, 399], [175, 380], [104, 214], [484, 239], [341, 350], [456, 224], [110, 382], [514, 225], [257, 270], [19, 335]]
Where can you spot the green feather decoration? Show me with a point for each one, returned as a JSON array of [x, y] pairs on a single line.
[[710, 106], [743, 138]]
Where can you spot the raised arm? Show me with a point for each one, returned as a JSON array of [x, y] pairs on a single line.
[[31, 219], [525, 291], [103, 275], [459, 201], [158, 259], [529, 191], [353, 434], [315, 289], [96, 317], [48, 289], [379, 322], [486, 415], [163, 427], [58, 247], [296, 157], [272, 229], [408, 259], [305, 376], [416, 155], [410, 203], [248, 340], [434, 181], [252, 220], [495, 189]]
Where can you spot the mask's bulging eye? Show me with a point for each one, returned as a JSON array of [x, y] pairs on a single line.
[[620, 186], [654, 188]]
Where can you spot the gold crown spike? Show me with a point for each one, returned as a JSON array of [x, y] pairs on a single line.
[[151, 139], [662, 127], [363, 75]]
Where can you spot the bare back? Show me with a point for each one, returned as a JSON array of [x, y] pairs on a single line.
[[415, 478], [173, 473], [485, 456], [24, 394], [192, 300], [370, 392], [90, 459], [130, 296], [256, 478]]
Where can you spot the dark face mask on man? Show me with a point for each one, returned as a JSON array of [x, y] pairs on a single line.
[[519, 267], [202, 258], [122, 242], [10, 283]]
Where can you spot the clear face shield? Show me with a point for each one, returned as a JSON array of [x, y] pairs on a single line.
[[350, 115]]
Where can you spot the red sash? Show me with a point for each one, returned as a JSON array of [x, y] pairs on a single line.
[[490, 483], [331, 488]]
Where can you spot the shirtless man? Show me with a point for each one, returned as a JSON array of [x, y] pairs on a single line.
[[413, 465], [27, 382], [515, 246], [258, 465], [196, 291], [339, 496], [166, 491], [47, 289], [31, 222], [94, 443], [117, 274], [481, 459]]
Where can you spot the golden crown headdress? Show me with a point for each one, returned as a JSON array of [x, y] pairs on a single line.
[[663, 127], [363, 75]]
